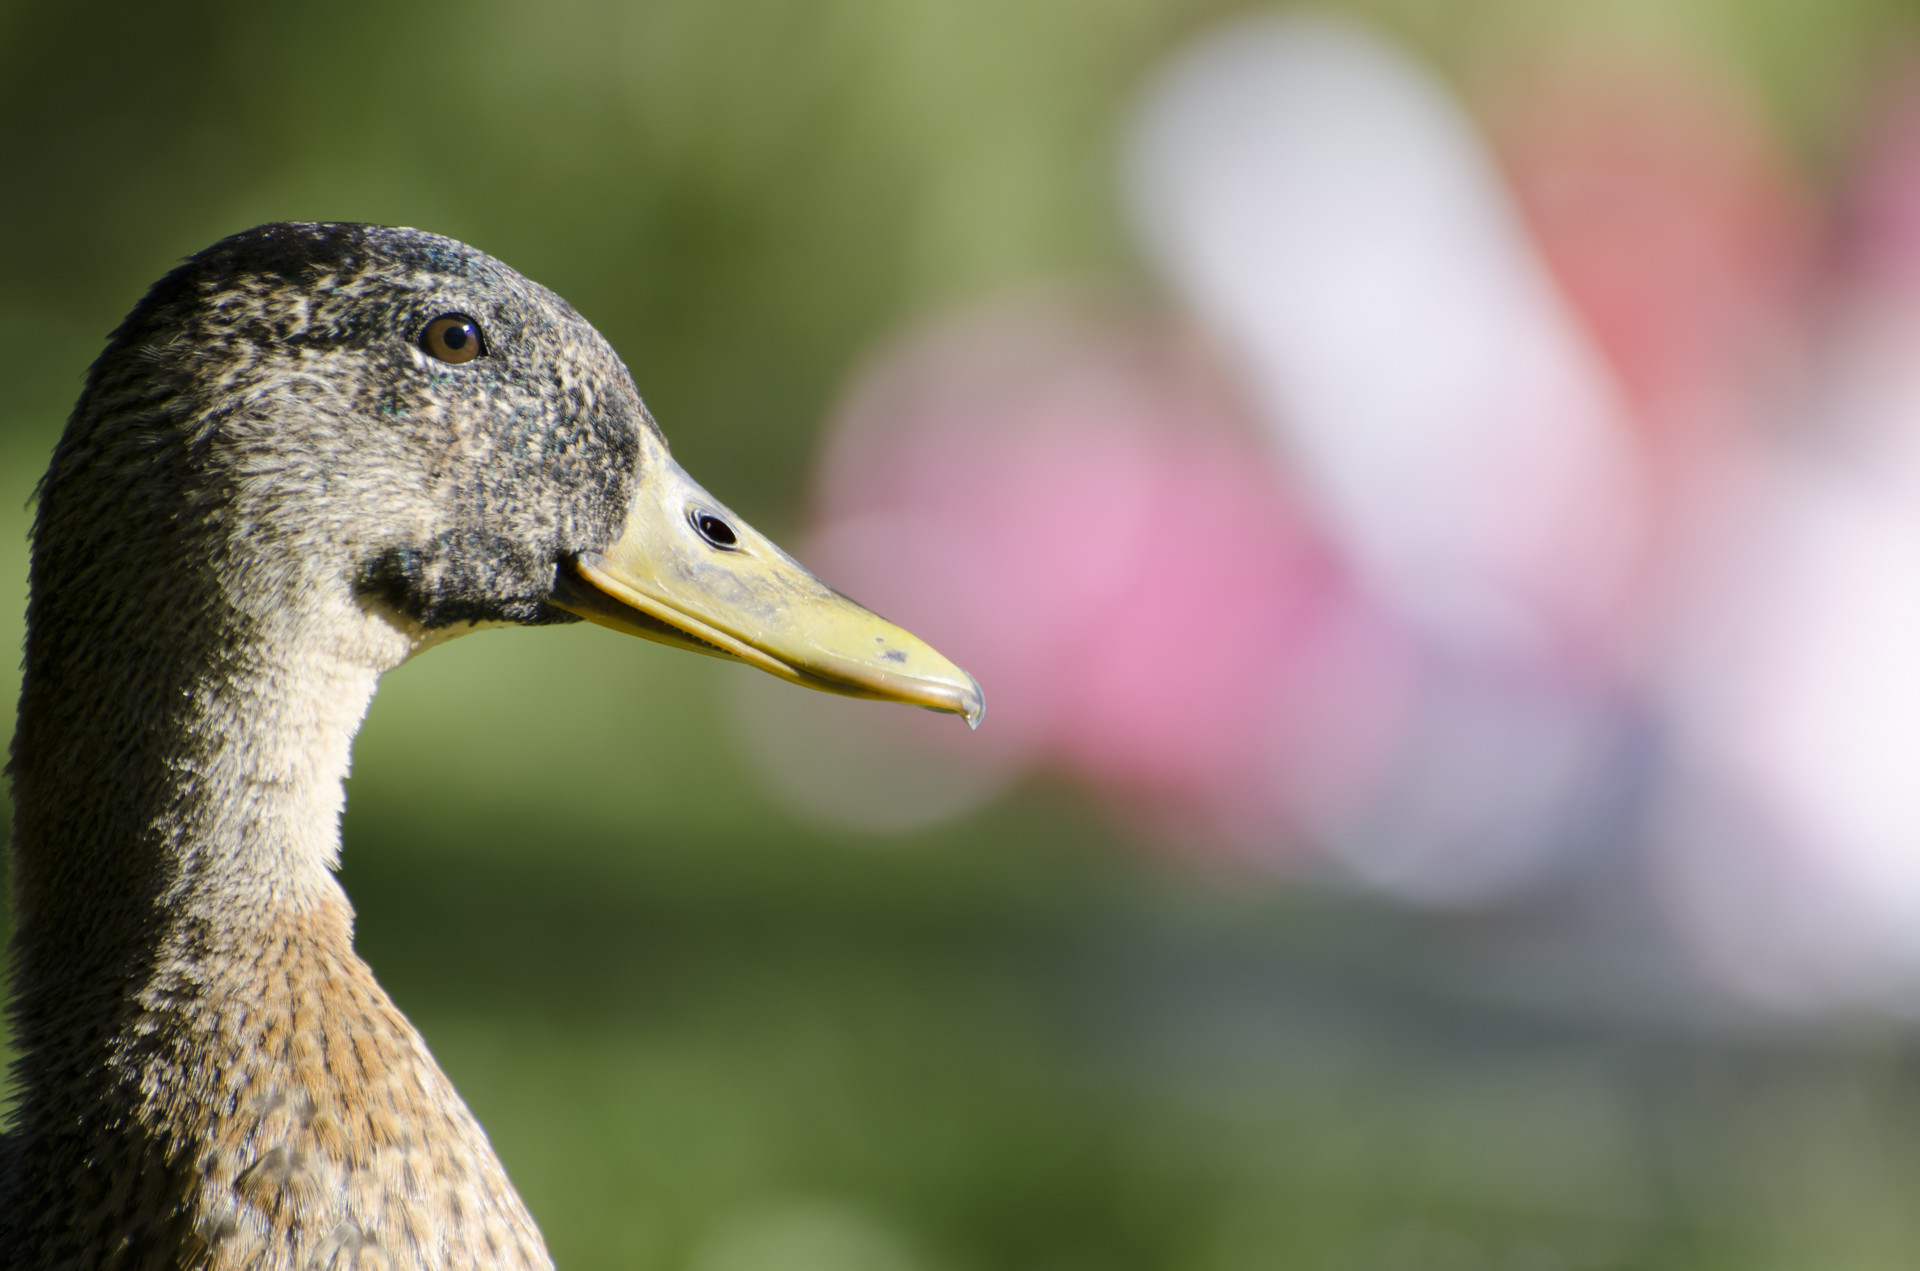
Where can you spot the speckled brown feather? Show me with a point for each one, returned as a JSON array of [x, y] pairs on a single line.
[[267, 496]]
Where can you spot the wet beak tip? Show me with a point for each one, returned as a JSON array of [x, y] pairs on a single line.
[[976, 705]]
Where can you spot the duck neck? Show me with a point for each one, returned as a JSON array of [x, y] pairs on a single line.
[[176, 800]]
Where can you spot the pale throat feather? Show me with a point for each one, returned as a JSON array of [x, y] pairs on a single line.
[[261, 816], [263, 1086]]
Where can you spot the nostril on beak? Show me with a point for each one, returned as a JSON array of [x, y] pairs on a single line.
[[713, 529]]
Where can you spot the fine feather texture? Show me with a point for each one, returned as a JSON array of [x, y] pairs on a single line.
[[267, 496]]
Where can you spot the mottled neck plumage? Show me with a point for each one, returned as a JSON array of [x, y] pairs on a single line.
[[189, 1007], [182, 942], [191, 782], [208, 1076]]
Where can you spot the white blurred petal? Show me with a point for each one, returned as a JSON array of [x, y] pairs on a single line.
[[1793, 832], [1320, 199]]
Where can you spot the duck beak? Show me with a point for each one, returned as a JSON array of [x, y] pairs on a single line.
[[686, 571]]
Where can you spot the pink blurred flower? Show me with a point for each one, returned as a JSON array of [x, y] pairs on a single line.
[[1070, 504]]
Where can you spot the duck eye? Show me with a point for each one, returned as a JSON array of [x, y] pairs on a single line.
[[713, 529], [453, 337]]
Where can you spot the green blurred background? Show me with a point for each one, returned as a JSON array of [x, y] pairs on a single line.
[[705, 1037]]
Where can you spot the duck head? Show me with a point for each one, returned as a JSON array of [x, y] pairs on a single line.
[[393, 417]]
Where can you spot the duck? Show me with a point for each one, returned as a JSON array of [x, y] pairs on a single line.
[[309, 453]]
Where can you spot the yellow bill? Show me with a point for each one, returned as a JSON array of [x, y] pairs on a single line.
[[686, 571]]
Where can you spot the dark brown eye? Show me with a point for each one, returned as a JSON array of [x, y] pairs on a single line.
[[453, 337]]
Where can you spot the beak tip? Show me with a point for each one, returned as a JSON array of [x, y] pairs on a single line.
[[975, 704]]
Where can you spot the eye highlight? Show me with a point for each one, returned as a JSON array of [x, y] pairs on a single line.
[[454, 338]]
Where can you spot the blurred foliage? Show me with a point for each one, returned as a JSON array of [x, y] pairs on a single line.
[[704, 1037]]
